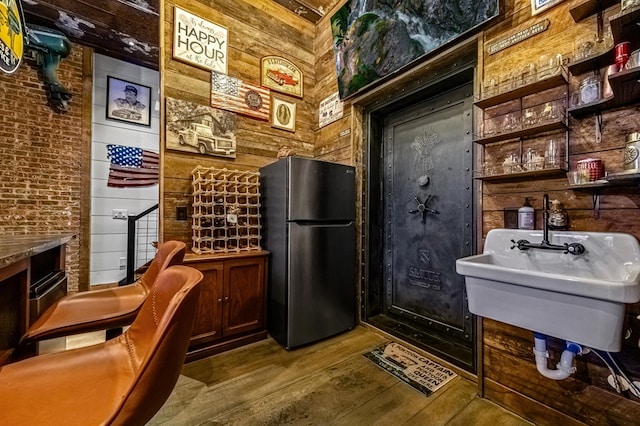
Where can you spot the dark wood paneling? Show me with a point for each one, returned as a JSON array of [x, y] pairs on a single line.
[[122, 29]]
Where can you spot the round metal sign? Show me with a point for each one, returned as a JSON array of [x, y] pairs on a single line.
[[11, 35]]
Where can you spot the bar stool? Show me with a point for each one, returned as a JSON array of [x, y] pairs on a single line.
[[102, 309], [123, 381]]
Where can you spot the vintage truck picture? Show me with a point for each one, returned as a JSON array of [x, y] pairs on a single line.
[[200, 129], [200, 136]]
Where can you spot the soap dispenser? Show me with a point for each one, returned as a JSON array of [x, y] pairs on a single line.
[[558, 218], [526, 216]]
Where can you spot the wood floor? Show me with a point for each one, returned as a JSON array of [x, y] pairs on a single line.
[[328, 383]]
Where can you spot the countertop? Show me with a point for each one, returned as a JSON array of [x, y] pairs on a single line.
[[14, 248]]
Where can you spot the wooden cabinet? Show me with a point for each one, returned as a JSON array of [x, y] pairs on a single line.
[[232, 307]]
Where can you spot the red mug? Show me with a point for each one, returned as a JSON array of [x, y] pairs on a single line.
[[622, 54]]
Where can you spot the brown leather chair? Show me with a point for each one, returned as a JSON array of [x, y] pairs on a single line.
[[102, 309], [123, 381]]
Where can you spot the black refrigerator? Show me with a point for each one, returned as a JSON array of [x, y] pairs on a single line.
[[308, 224]]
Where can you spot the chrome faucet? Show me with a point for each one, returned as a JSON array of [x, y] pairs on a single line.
[[573, 248]]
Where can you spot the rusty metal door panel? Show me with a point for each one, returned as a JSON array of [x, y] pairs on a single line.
[[428, 211]]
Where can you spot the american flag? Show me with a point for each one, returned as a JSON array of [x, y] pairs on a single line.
[[235, 95], [132, 167]]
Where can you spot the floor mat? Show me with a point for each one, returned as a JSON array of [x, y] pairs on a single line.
[[412, 368]]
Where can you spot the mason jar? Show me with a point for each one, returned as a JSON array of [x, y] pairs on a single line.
[[590, 90]]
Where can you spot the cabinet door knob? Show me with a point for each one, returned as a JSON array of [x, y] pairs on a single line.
[[226, 298], [219, 300]]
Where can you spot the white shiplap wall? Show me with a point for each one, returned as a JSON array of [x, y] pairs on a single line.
[[108, 235]]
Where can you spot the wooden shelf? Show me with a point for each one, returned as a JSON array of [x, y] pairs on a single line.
[[592, 108], [624, 27], [522, 175], [590, 7], [590, 185], [626, 91], [629, 176], [625, 85], [522, 133], [592, 63], [535, 87]]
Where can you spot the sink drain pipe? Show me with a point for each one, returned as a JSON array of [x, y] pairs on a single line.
[[565, 367]]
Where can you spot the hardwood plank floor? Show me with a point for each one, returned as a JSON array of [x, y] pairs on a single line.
[[327, 383]]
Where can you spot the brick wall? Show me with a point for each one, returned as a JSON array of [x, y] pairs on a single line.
[[40, 157]]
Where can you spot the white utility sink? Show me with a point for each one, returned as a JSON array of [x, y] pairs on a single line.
[[580, 298]]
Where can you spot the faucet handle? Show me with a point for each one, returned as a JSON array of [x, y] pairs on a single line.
[[520, 244], [574, 248]]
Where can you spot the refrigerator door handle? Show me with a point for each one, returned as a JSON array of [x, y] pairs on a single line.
[[334, 223]]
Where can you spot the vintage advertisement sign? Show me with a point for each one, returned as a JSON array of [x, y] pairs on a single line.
[[234, 95], [281, 75], [199, 42], [11, 35], [537, 28], [331, 109]]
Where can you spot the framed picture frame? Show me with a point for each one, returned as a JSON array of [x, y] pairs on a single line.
[[281, 75], [283, 113], [538, 6], [128, 102], [199, 42]]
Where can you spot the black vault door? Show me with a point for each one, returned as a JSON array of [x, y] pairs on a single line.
[[428, 213]]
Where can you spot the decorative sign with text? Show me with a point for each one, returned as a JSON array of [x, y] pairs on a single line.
[[281, 75], [199, 42], [331, 109], [516, 38], [11, 35]]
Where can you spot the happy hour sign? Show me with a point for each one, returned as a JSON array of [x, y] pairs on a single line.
[[199, 42]]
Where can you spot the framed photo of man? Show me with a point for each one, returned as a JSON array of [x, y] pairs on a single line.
[[128, 102], [283, 113]]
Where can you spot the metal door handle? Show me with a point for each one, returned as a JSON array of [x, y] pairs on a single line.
[[423, 208]]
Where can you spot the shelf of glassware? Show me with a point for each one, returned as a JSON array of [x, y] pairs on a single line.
[[559, 123], [625, 85], [520, 175], [557, 79], [592, 62]]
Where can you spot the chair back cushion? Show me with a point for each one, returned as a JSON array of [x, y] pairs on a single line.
[[169, 253], [157, 343]]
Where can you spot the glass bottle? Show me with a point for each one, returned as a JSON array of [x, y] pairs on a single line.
[[558, 218]]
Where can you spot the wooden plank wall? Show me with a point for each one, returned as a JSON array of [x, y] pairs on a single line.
[[261, 27], [508, 360], [256, 28], [330, 146], [510, 375]]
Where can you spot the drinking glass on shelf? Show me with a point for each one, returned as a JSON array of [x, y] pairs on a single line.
[[510, 122], [489, 128], [549, 65], [551, 154], [549, 112], [584, 47], [530, 117], [490, 88]]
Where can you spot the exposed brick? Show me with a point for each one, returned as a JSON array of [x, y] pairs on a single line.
[[41, 153]]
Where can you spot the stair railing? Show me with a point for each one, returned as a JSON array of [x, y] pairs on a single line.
[[140, 229]]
